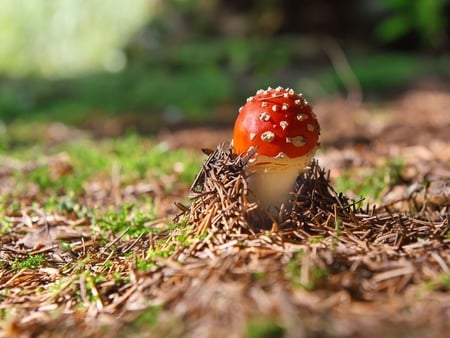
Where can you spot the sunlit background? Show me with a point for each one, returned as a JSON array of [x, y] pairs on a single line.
[[148, 63], [68, 37]]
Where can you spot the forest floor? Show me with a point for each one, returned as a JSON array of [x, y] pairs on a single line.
[[92, 263]]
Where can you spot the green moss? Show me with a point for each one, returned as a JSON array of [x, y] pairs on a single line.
[[30, 262], [371, 182], [128, 218], [295, 273], [441, 283], [264, 328]]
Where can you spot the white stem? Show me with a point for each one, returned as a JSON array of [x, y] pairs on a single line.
[[273, 188]]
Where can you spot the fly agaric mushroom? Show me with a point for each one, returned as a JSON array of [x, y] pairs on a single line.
[[281, 126]]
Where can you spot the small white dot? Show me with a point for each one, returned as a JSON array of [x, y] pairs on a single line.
[[284, 124], [264, 116], [267, 136], [297, 141], [302, 117]]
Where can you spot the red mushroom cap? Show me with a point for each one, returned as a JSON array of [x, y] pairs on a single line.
[[279, 123]]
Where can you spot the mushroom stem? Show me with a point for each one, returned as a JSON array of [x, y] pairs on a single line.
[[273, 188]]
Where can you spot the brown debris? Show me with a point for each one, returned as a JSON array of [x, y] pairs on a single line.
[[328, 268], [337, 249]]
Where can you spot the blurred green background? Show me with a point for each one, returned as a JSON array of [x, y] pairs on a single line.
[[152, 64]]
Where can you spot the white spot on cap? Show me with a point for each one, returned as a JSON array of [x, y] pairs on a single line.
[[275, 107], [240, 109], [291, 91], [297, 141], [284, 124], [264, 104], [285, 106], [298, 102], [286, 95], [310, 127], [280, 155], [279, 89], [260, 91], [269, 88], [249, 99], [252, 136], [302, 117], [267, 136], [264, 116]]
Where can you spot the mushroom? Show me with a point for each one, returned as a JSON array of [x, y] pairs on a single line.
[[284, 132]]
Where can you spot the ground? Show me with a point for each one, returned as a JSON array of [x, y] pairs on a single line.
[[106, 262]]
